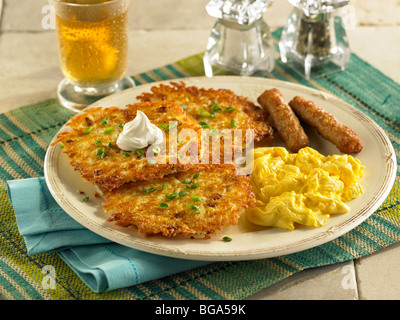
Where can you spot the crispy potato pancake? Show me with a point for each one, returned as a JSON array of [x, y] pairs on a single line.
[[91, 145], [214, 108], [193, 203]]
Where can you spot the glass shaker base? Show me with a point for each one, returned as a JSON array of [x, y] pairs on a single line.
[[309, 71], [233, 48], [76, 98], [214, 68]]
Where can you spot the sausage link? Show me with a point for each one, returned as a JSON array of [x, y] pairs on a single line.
[[343, 137], [285, 121]]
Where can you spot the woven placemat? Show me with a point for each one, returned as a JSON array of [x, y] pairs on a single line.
[[26, 132]]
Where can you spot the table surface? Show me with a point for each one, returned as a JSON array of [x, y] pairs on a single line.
[[30, 73]]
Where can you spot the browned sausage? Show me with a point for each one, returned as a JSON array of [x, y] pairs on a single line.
[[285, 121], [343, 137]]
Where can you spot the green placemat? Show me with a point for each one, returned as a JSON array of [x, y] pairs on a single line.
[[26, 132]]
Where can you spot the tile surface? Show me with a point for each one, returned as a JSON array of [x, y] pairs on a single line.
[[336, 282], [377, 275]]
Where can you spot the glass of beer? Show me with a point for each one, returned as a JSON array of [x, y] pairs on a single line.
[[93, 47]]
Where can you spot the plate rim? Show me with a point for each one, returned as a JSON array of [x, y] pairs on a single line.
[[207, 255]]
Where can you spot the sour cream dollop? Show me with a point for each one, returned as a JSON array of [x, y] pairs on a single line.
[[139, 133]]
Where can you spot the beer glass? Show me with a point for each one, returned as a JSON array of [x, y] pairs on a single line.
[[93, 48]]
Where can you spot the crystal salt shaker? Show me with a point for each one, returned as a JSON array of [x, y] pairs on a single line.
[[314, 40], [240, 42]]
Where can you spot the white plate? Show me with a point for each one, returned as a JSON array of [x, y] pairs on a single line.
[[249, 242]]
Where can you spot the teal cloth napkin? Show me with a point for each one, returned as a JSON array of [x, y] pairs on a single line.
[[100, 263]]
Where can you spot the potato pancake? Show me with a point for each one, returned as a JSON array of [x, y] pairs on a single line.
[[219, 109], [91, 147], [193, 203]]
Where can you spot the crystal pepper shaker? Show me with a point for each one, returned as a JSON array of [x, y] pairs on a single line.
[[240, 41], [314, 40]]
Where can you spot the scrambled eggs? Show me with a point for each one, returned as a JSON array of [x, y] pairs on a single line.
[[303, 188]]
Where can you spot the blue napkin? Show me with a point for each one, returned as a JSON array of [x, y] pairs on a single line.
[[100, 263]]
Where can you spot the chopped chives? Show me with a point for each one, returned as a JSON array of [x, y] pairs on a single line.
[[100, 151], [156, 149], [98, 143], [182, 193], [85, 199], [216, 106], [164, 205], [233, 124], [187, 181], [109, 130], [194, 208], [171, 196], [204, 113], [194, 186], [204, 125], [88, 130], [126, 154], [195, 198], [230, 109], [105, 122], [140, 152], [152, 189], [196, 176], [167, 127], [109, 145], [227, 239]]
